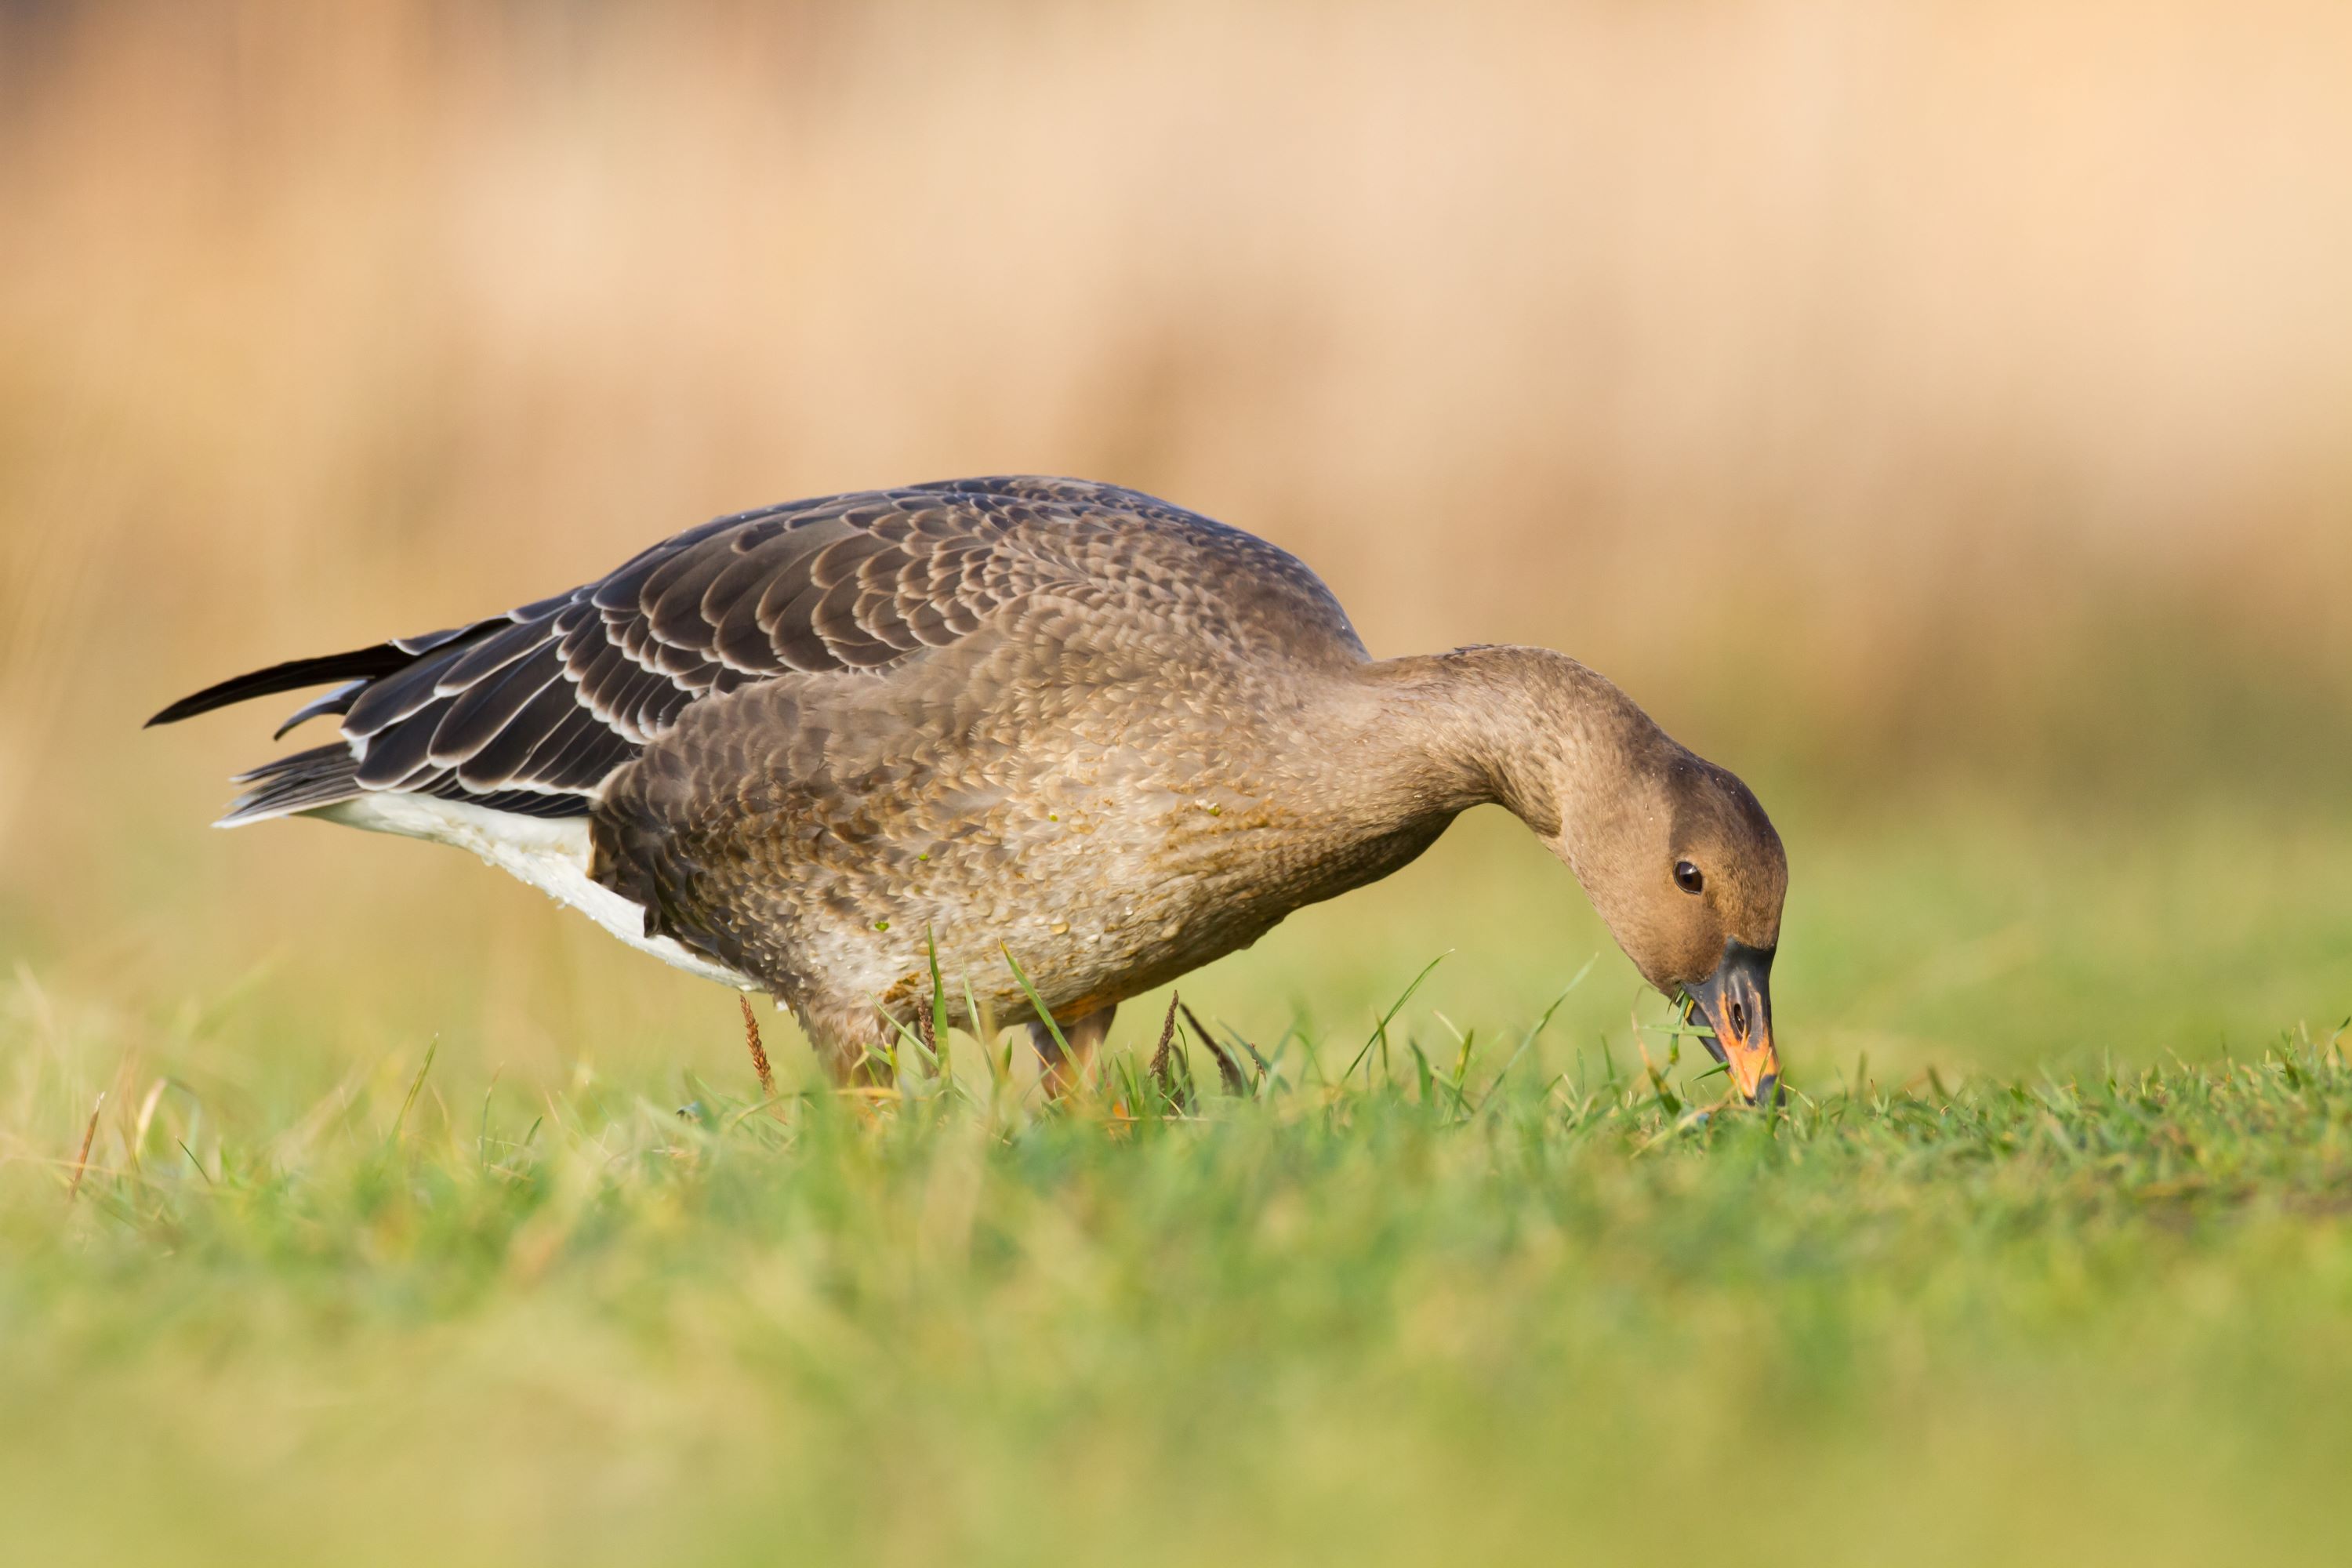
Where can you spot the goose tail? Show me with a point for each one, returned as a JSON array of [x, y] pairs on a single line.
[[352, 669], [305, 781]]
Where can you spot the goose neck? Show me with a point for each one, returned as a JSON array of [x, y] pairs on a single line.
[[1529, 729]]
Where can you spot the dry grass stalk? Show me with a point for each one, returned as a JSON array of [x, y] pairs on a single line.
[[759, 1051], [1168, 1072], [1166, 1040], [81, 1161], [1227, 1068]]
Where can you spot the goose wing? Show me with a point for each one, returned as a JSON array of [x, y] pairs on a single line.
[[532, 710]]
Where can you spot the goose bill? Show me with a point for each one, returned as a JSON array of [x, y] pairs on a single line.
[[1736, 1002]]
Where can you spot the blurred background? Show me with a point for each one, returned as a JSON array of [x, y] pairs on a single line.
[[1939, 413]]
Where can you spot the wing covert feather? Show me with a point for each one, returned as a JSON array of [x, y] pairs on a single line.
[[552, 698]]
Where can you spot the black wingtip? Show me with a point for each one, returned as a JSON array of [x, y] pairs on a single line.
[[359, 664]]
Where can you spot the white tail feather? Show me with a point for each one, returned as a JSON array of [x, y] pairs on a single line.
[[550, 854]]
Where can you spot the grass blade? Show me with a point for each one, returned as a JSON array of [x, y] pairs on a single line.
[[1380, 1030], [940, 1007], [432, 1049], [1527, 1041], [1035, 1002]]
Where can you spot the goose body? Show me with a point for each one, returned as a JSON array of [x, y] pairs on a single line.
[[802, 749]]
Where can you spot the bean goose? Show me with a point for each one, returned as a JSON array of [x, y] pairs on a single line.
[[806, 749]]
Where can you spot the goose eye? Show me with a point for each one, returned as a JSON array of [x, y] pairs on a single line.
[[1687, 877]]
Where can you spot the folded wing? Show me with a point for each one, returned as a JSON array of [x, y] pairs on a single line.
[[532, 710]]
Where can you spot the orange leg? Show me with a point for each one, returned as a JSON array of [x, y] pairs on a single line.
[[1063, 1072]]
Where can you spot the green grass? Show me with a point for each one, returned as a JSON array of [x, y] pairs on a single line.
[[2050, 1265], [1424, 1316]]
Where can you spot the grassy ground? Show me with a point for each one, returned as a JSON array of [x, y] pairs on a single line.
[[1424, 1316], [2010, 1281], [1969, 936], [2048, 1265]]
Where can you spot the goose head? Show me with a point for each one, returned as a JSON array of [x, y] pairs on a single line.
[[1690, 876], [1675, 852]]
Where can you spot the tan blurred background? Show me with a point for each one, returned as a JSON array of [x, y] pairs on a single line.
[[1937, 411]]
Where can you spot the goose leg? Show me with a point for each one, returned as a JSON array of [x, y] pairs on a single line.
[[849, 1039], [853, 1064], [1062, 1073]]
